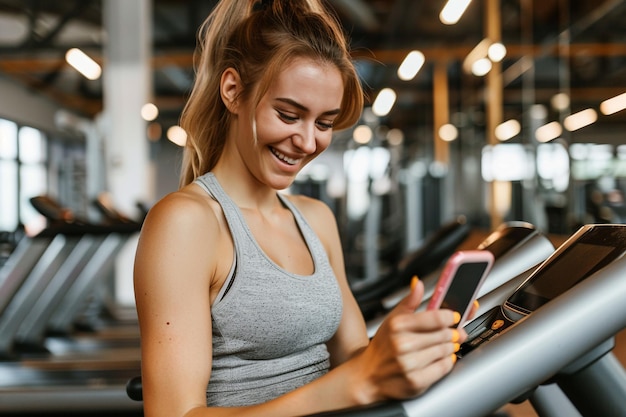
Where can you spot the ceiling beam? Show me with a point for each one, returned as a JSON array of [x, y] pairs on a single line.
[[40, 64]]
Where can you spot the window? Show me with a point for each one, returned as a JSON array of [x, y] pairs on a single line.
[[33, 179], [8, 176], [23, 158]]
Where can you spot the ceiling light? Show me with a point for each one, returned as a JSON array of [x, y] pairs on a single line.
[[579, 120], [149, 112], [83, 64], [362, 134], [560, 101], [613, 105], [177, 135], [479, 51], [384, 102], [448, 132], [496, 52], [507, 130], [395, 137], [548, 132], [411, 65], [479, 60], [453, 10], [481, 67]]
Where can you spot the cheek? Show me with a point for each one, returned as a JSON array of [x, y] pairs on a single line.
[[266, 127], [323, 142], [268, 132]]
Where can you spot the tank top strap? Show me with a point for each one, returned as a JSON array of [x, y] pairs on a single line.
[[236, 224], [315, 246], [215, 190]]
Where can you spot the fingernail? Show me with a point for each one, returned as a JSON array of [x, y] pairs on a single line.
[[476, 305], [455, 336], [457, 346], [414, 281], [457, 317], [453, 358]]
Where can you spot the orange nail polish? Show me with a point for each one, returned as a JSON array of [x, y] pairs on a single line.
[[453, 358], [414, 281], [457, 347], [457, 317], [476, 305], [455, 335]]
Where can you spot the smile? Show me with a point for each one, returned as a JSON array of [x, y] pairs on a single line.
[[284, 157]]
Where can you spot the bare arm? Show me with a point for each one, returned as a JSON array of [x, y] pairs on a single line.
[[173, 273]]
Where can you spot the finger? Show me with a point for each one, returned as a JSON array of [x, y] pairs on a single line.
[[435, 370], [422, 358], [423, 321], [413, 342], [411, 302]]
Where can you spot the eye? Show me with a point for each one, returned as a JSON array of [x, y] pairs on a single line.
[[324, 125], [287, 117]]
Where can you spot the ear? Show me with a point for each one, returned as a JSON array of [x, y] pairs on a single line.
[[230, 88]]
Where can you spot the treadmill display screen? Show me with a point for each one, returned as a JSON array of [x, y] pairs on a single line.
[[504, 242], [578, 261], [501, 246]]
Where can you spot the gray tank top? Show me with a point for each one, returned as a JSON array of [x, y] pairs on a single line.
[[269, 325]]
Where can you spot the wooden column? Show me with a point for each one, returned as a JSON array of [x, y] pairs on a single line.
[[493, 106], [441, 111]]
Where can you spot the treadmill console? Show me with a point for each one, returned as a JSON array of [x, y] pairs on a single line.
[[507, 237], [587, 251]]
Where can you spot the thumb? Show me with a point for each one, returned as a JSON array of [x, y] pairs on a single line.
[[411, 302]]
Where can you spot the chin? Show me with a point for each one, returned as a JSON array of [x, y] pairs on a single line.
[[280, 182]]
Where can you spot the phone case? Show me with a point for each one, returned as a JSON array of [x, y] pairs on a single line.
[[451, 273]]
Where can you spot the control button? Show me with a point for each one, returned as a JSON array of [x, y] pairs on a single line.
[[497, 324]]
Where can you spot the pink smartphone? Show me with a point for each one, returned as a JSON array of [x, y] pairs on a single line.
[[457, 288]]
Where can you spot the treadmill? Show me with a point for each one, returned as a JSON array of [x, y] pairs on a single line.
[[555, 331], [32, 378]]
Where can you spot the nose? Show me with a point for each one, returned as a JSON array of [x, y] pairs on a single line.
[[305, 139]]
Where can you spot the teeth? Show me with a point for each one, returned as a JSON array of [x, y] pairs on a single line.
[[284, 157]]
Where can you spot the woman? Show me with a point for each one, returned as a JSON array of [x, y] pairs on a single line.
[[243, 302]]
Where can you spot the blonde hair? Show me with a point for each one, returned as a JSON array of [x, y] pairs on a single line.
[[258, 39]]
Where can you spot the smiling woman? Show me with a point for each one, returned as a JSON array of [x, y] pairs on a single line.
[[243, 301]]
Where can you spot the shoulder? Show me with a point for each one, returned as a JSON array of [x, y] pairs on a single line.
[[186, 222], [188, 209]]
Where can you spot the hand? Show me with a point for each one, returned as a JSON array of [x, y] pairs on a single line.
[[410, 351]]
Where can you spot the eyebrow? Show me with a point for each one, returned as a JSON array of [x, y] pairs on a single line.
[[304, 108]]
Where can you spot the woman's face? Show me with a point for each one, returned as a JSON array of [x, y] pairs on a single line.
[[294, 122]]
